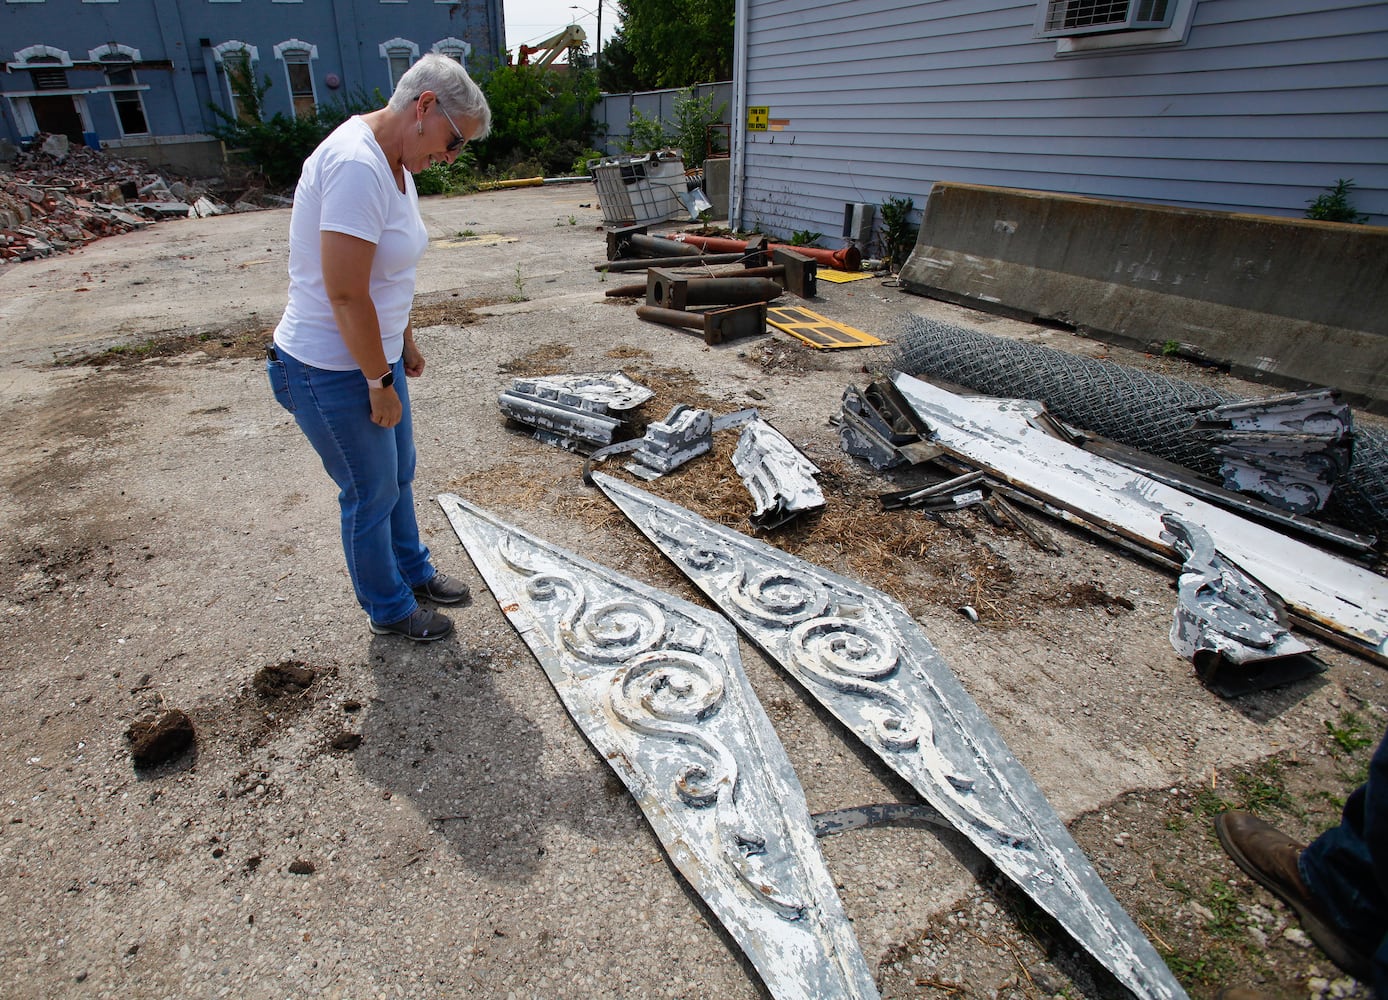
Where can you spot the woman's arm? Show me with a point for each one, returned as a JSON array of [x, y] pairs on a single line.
[[347, 280]]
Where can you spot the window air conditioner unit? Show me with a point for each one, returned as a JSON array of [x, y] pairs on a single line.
[[857, 222], [1067, 18]]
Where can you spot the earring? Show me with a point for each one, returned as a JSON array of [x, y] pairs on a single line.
[[418, 128]]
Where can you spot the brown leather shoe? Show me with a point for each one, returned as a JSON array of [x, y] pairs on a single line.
[[1270, 856]]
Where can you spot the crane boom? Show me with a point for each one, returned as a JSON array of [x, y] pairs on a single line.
[[570, 38]]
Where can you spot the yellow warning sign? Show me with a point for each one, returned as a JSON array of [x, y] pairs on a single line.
[[758, 118], [816, 330]]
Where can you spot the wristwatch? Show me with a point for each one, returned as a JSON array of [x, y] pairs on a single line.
[[384, 382]]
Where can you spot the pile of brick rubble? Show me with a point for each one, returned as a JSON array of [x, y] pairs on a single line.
[[59, 195]]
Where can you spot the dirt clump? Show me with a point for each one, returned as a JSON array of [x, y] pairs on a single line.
[[164, 738], [283, 680]]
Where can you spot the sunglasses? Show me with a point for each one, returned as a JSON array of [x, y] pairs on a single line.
[[458, 140]]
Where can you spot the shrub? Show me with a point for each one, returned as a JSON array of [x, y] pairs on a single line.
[[278, 147], [689, 132], [1334, 205], [539, 117], [898, 234]]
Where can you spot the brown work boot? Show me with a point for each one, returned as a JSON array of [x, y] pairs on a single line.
[[1270, 856]]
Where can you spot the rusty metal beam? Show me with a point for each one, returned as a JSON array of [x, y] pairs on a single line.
[[673, 291], [641, 263], [848, 258], [716, 325]]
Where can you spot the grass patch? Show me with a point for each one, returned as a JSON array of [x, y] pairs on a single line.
[[1212, 967], [1349, 734]]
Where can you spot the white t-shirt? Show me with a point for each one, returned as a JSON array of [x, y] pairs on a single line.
[[347, 187]]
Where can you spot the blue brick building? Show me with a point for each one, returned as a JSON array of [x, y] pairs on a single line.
[[137, 76]]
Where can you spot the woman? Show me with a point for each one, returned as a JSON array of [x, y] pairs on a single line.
[[344, 346]]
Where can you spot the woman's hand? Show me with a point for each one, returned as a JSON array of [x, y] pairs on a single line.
[[386, 409], [414, 360]]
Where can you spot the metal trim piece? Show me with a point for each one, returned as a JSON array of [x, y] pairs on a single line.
[[779, 477], [566, 419], [656, 685], [863, 657], [613, 390], [994, 434], [1226, 624]]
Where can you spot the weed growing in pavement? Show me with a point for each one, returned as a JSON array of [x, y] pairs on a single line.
[[519, 295], [898, 234], [1349, 734], [1265, 788], [1171, 348], [1209, 802], [1335, 206], [1221, 900], [1212, 967]]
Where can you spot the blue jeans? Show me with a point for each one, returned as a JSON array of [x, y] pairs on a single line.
[[1346, 868], [373, 467]]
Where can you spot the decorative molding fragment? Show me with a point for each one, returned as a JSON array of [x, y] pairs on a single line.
[[657, 687], [863, 657], [1231, 629], [1288, 450], [613, 390], [557, 416], [876, 424], [685, 434], [1326, 592], [779, 477]]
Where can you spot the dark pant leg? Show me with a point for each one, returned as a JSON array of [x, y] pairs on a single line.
[[1346, 868]]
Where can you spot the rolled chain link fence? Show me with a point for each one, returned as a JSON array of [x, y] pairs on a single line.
[[1136, 408]]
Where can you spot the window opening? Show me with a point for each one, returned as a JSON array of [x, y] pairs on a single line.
[[300, 83], [130, 107], [1082, 17]]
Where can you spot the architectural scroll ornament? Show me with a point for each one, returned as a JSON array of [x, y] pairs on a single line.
[[656, 685], [866, 660]]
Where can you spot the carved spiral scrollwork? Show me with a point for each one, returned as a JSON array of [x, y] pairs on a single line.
[[670, 693], [779, 598]]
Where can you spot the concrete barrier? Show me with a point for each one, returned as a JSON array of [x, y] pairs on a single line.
[[191, 155], [1291, 301]]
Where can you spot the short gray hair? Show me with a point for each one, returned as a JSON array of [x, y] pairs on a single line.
[[456, 91]]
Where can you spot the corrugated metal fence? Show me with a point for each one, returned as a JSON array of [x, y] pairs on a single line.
[[617, 110]]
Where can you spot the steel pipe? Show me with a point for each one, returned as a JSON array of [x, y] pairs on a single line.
[[641, 263], [848, 258]]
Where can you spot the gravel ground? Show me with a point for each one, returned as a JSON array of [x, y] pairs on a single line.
[[363, 818]]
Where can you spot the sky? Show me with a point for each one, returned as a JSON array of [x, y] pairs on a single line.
[[531, 21]]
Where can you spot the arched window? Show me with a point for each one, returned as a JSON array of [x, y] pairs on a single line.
[[400, 54], [47, 66], [238, 61], [298, 59], [454, 48], [118, 63]]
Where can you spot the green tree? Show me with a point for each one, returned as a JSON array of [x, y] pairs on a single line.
[[617, 68], [689, 132], [542, 119], [279, 146], [674, 43]]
